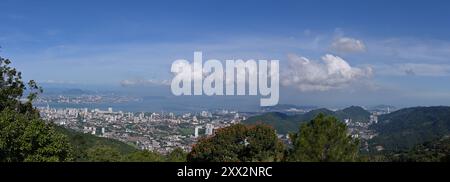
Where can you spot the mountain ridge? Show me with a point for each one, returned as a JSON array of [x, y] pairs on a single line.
[[285, 123], [407, 127]]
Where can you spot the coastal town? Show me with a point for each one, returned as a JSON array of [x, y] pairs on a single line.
[[164, 131], [161, 132]]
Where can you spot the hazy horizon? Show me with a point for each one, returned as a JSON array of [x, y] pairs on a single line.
[[155, 101]]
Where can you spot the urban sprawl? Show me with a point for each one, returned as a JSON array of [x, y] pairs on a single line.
[[165, 131], [161, 132]]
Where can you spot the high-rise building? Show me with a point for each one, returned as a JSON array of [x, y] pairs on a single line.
[[196, 131], [209, 129]]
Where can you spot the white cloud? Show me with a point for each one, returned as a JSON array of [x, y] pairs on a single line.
[[347, 44], [332, 73]]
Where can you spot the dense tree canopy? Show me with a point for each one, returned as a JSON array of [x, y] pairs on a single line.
[[29, 139], [23, 135], [177, 155], [239, 143], [103, 154], [144, 156], [112, 154], [324, 139], [437, 150]]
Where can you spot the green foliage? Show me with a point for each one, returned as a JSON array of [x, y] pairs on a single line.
[[82, 142], [25, 138], [324, 139], [144, 156], [405, 128], [432, 151], [239, 143], [355, 113], [186, 131], [12, 90], [373, 157], [91, 148], [284, 124], [103, 154], [111, 154], [177, 155], [281, 122], [23, 135]]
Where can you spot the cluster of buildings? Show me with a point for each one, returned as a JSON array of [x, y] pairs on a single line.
[[161, 132], [361, 129]]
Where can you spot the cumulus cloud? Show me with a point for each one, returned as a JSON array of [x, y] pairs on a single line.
[[347, 44], [142, 82], [332, 72]]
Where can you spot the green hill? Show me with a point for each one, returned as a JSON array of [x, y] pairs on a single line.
[[311, 114], [433, 151], [354, 112], [289, 123], [281, 122], [408, 127], [81, 142]]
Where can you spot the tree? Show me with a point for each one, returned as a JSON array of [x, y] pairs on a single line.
[[144, 156], [23, 135], [324, 139], [12, 89], [177, 155], [239, 143], [103, 154], [437, 150], [29, 139]]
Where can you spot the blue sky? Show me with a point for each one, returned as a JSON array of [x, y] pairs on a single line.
[[398, 51]]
